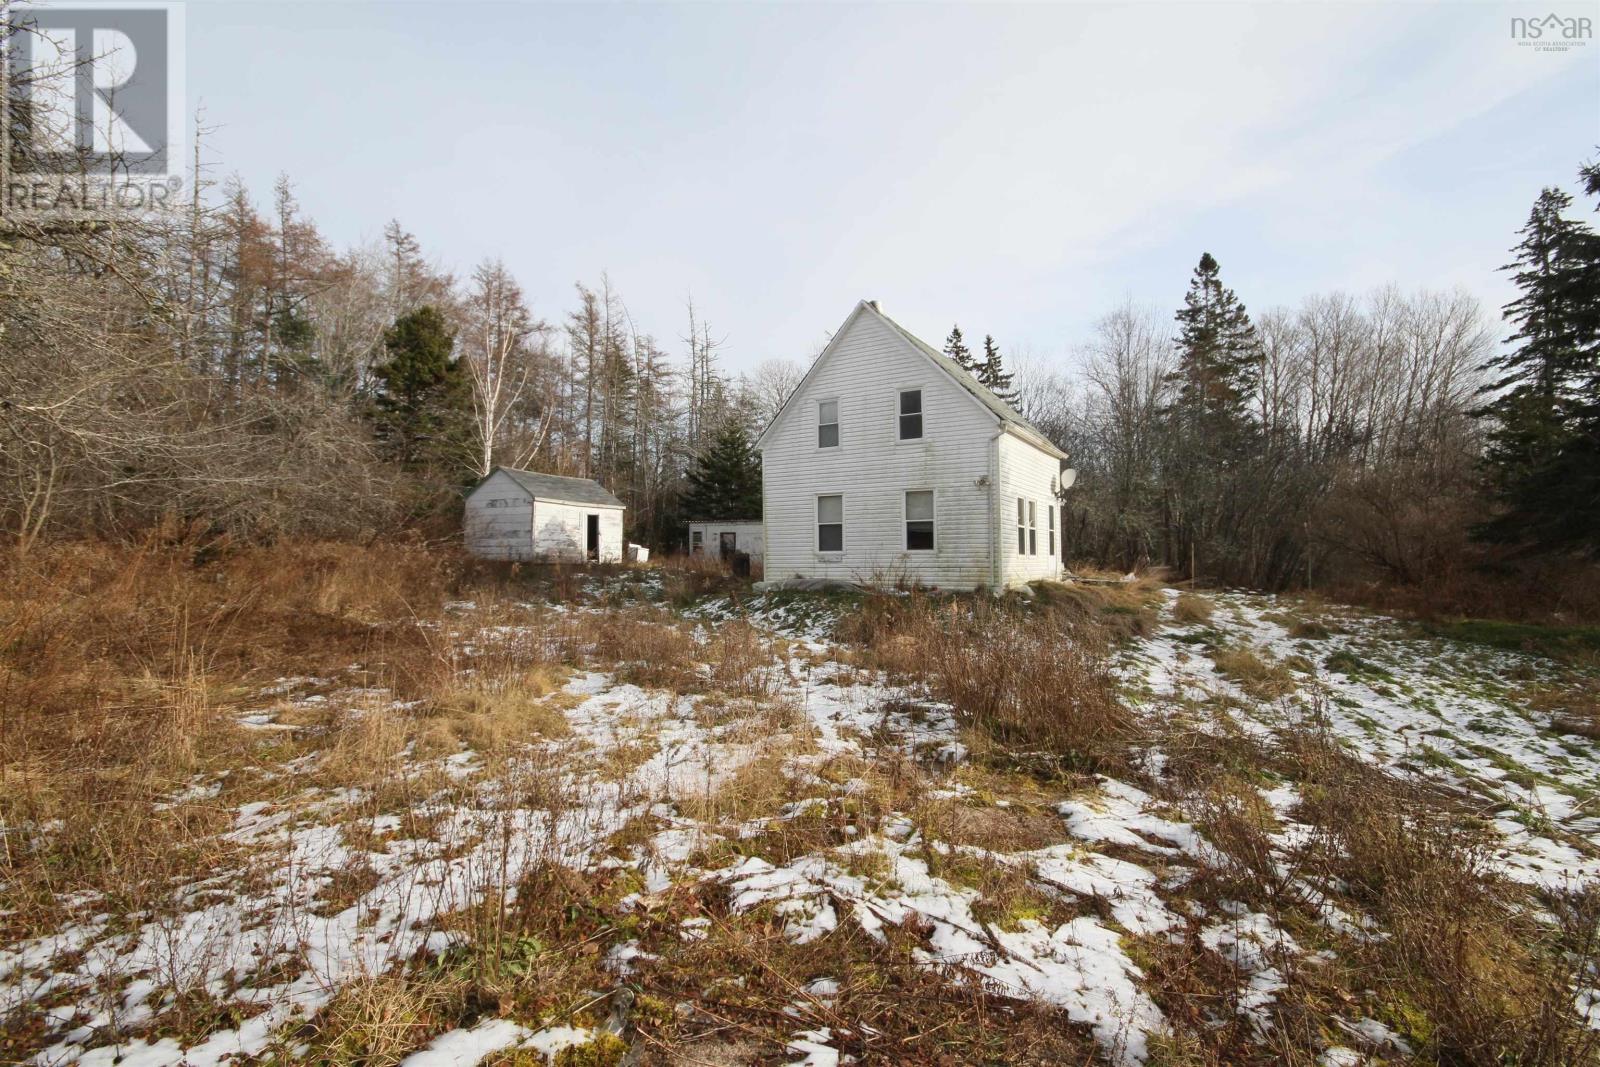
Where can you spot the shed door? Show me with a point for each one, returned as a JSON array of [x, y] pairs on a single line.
[[594, 537], [727, 543]]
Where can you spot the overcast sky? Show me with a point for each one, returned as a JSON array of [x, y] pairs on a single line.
[[1019, 169]]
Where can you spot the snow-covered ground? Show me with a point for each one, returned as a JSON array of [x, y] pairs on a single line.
[[1437, 709], [252, 935]]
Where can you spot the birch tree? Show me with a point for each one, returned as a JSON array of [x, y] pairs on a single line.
[[497, 355]]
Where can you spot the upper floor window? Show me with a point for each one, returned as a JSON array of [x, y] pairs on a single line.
[[830, 523], [919, 520], [910, 414], [827, 424]]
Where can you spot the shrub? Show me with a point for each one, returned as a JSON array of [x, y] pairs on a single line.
[[1192, 608], [1035, 683], [1256, 676]]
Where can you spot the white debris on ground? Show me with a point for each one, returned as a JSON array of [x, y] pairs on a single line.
[[1121, 865]]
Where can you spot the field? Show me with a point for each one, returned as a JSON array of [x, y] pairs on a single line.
[[335, 805]]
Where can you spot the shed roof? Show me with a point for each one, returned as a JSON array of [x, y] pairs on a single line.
[[558, 487]]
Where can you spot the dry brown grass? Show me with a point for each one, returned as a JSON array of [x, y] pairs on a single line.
[[687, 579], [1464, 949], [490, 713], [1464, 969], [1192, 608], [746, 978], [378, 1022], [648, 648], [1261, 678], [123, 669], [1573, 704], [1035, 681], [1114, 609]]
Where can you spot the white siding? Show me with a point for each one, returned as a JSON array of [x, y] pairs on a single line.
[[748, 537], [499, 518], [1028, 474], [865, 369], [560, 531], [503, 522]]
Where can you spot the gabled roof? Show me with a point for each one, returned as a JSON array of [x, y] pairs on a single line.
[[557, 487], [1007, 416]]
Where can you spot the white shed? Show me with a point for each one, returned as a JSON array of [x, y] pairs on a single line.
[[890, 463], [522, 515], [720, 539]]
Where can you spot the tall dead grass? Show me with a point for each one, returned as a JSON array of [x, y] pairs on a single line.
[[1467, 966], [1036, 682], [120, 670]]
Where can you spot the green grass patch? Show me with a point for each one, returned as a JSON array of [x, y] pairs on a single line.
[[1552, 642]]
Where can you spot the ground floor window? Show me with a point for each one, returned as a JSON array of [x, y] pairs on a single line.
[[696, 542], [1050, 512], [1022, 527], [1033, 531], [830, 523], [919, 520]]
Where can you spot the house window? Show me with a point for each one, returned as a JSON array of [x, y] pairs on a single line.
[[1033, 531], [696, 542], [830, 524], [1022, 527], [827, 424], [1050, 513], [919, 520], [910, 414]]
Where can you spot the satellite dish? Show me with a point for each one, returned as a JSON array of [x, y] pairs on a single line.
[[1068, 476]]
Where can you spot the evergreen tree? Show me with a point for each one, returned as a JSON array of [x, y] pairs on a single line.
[[1544, 448], [955, 347], [423, 407], [725, 481], [1210, 436], [1218, 364], [992, 372]]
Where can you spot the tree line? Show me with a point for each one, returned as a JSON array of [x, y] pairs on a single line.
[[220, 362], [1385, 436]]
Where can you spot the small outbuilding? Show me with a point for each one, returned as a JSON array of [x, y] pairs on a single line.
[[720, 540], [523, 515]]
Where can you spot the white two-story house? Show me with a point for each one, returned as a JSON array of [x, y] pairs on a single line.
[[890, 464]]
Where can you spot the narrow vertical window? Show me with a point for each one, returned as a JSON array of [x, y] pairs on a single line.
[[695, 542], [830, 524], [1022, 527], [828, 424], [910, 414], [1050, 513], [1033, 531], [919, 520]]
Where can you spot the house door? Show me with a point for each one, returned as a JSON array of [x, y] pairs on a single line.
[[727, 545], [594, 537]]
